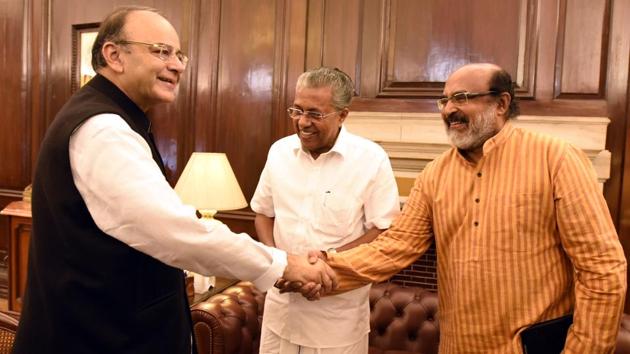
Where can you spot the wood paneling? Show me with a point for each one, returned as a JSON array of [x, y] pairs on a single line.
[[245, 73], [582, 49], [426, 40], [289, 64], [14, 142], [342, 36]]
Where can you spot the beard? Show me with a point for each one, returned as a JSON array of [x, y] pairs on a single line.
[[479, 129]]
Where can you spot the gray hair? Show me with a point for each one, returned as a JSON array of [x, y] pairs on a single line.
[[111, 31], [340, 83]]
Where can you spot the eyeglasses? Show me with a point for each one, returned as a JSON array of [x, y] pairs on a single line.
[[296, 113], [462, 98], [161, 50]]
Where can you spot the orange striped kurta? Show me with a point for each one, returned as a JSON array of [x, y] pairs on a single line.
[[522, 236]]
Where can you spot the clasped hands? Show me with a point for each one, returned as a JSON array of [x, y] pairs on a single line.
[[309, 275]]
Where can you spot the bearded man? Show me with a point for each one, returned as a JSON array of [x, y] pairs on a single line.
[[522, 231]]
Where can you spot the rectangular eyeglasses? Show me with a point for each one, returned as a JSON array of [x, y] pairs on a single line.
[[161, 50], [461, 98]]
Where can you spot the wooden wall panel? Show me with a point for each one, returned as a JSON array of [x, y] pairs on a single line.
[[204, 66], [342, 36], [334, 35], [368, 84], [246, 62], [290, 63], [583, 47], [426, 40], [14, 140]]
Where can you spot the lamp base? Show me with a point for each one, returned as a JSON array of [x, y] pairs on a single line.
[[207, 216]]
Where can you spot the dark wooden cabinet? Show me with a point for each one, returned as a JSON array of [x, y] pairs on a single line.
[[19, 214]]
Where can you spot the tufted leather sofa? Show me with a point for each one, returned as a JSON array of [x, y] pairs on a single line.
[[402, 320]]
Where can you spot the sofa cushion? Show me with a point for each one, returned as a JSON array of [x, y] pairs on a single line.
[[403, 320]]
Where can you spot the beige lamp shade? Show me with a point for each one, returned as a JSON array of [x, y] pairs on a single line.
[[208, 182]]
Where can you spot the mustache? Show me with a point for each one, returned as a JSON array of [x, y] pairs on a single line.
[[457, 117]]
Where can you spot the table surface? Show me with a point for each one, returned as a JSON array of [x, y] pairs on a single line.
[[220, 285], [18, 208]]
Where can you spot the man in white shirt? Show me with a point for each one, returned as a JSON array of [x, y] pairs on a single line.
[[110, 236], [322, 188]]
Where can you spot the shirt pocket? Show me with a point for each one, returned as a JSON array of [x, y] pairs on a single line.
[[336, 215], [522, 220]]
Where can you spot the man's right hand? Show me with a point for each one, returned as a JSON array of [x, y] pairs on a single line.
[[299, 269]]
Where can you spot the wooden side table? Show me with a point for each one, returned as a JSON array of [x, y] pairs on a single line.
[[19, 214]]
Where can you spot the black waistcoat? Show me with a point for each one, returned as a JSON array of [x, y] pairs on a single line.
[[87, 292]]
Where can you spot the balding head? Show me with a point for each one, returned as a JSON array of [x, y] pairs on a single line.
[[111, 30], [480, 72], [142, 56], [489, 77]]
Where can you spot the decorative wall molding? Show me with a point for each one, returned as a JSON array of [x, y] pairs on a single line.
[[413, 139], [10, 193]]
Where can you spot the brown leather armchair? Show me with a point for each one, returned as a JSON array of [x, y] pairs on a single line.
[[229, 322], [8, 327], [402, 320]]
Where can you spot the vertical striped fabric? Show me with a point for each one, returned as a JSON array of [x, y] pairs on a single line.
[[522, 236]]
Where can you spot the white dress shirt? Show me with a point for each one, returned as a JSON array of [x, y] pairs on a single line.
[[130, 200], [319, 204]]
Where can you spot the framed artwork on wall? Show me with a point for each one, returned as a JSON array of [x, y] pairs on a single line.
[[83, 36]]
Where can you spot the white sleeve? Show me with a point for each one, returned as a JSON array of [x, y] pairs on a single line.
[[130, 200], [382, 204], [262, 201]]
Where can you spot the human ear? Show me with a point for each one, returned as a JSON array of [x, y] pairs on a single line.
[[111, 53], [343, 114], [503, 103]]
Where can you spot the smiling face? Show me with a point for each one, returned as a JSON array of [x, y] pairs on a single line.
[[469, 125], [317, 137], [145, 78]]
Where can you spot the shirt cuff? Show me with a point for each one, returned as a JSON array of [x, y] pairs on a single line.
[[259, 209], [382, 223], [275, 270]]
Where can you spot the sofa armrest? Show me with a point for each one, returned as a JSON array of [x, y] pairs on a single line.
[[229, 322], [623, 338], [403, 320]]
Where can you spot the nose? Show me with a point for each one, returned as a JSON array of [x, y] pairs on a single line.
[[449, 108], [174, 64], [304, 121]]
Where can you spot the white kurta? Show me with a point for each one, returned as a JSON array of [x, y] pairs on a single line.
[[316, 205], [130, 200]]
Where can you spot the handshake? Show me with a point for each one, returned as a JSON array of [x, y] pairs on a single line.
[[308, 275]]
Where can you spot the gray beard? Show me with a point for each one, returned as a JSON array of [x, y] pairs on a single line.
[[480, 129]]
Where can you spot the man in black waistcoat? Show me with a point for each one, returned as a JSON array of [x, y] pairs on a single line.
[[109, 233]]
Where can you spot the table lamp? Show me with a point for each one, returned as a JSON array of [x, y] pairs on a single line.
[[209, 184]]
